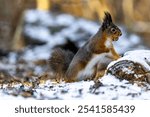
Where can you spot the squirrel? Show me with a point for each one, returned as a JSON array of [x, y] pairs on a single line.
[[91, 59]]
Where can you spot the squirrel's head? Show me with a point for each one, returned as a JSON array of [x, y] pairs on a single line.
[[110, 29]]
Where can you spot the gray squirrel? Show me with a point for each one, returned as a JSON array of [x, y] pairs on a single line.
[[91, 59]]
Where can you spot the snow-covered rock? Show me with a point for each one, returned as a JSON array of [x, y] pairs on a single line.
[[133, 66]]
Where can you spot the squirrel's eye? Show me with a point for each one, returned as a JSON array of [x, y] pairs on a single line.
[[113, 30]]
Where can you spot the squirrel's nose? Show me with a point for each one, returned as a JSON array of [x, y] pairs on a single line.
[[120, 33]]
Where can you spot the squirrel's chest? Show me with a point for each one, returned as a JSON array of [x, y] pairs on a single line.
[[108, 43], [91, 65]]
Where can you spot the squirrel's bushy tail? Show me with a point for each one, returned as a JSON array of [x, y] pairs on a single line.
[[59, 62]]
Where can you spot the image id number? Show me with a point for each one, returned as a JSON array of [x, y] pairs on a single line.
[[106, 109]]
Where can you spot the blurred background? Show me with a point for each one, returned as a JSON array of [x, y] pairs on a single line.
[[132, 14]]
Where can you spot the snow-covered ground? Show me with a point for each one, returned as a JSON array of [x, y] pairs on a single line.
[[112, 89], [42, 26]]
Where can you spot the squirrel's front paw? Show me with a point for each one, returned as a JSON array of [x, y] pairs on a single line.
[[117, 57]]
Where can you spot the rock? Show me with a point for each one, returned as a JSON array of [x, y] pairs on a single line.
[[133, 66]]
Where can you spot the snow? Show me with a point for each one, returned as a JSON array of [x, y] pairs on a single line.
[[112, 89], [37, 26], [33, 16], [38, 32], [9, 97], [139, 56]]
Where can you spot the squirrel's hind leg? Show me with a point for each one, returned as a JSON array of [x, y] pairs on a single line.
[[100, 71], [96, 74], [99, 74]]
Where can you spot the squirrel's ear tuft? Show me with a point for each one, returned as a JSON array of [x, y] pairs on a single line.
[[107, 17], [107, 20]]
